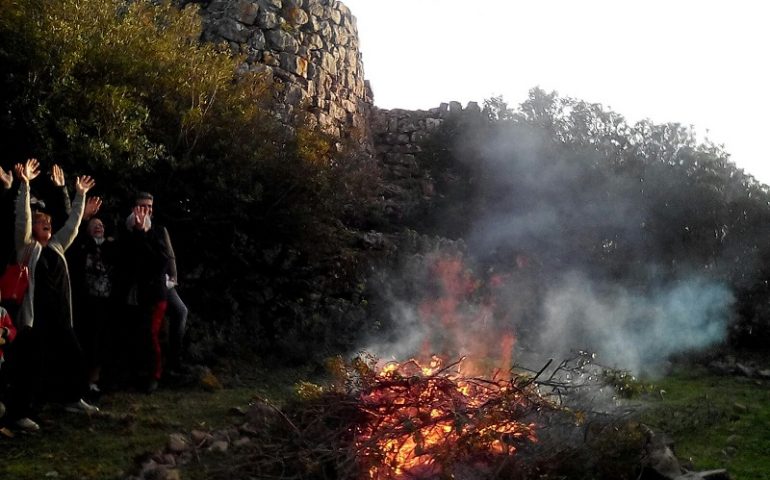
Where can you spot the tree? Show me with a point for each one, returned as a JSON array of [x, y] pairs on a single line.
[[126, 92]]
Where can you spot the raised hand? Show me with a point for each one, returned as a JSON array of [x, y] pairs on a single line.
[[32, 168], [6, 178], [84, 183], [57, 176], [27, 171], [139, 217], [93, 204]]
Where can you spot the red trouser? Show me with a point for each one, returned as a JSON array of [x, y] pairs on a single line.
[[158, 312]]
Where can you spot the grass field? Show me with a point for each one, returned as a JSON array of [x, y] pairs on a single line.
[[75, 446], [715, 422]]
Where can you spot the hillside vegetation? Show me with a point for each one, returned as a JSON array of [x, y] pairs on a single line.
[[286, 251], [642, 207], [268, 219], [125, 92]]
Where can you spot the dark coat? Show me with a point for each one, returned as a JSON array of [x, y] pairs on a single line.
[[142, 266], [85, 250]]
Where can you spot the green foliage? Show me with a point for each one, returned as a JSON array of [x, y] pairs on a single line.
[[625, 384], [131, 426], [126, 92], [113, 86]]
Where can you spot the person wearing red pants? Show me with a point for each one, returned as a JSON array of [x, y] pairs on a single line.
[[142, 272]]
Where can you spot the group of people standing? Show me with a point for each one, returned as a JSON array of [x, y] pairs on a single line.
[[92, 315]]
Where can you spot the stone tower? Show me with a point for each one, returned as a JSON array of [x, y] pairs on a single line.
[[309, 48]]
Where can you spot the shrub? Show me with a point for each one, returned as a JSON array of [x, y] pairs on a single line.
[[126, 92]]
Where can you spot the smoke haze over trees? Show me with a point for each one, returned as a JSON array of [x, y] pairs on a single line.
[[592, 217], [642, 241]]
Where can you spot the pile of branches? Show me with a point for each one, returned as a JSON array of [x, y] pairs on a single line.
[[400, 423], [425, 422]]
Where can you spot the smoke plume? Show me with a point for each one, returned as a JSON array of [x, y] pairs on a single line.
[[632, 331], [566, 251]]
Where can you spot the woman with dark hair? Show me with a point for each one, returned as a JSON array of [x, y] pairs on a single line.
[[48, 361]]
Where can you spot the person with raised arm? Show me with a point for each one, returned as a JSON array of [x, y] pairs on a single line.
[[48, 362], [6, 216], [147, 275], [7, 236]]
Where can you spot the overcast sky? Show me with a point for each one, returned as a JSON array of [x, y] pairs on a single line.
[[702, 63]]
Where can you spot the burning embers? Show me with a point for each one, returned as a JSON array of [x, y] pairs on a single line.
[[421, 422]]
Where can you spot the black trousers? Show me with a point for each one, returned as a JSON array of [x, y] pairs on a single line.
[[43, 365]]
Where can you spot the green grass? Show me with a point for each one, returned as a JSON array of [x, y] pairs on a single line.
[[130, 425], [102, 447], [716, 421]]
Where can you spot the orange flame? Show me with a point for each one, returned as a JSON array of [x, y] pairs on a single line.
[[462, 316], [422, 417]]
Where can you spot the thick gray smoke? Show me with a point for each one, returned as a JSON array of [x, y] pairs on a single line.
[[630, 330], [408, 334], [572, 213], [561, 245]]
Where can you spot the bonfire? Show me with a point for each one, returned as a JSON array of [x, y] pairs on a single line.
[[436, 417], [422, 421]]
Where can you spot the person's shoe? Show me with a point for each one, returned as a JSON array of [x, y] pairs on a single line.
[[93, 394], [27, 424], [152, 385], [81, 407]]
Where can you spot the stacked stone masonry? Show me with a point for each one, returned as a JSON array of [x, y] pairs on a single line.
[[397, 136], [309, 47]]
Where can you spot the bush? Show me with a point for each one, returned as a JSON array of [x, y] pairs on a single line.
[[126, 92]]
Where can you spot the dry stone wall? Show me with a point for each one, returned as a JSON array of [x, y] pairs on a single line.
[[397, 136], [309, 48]]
